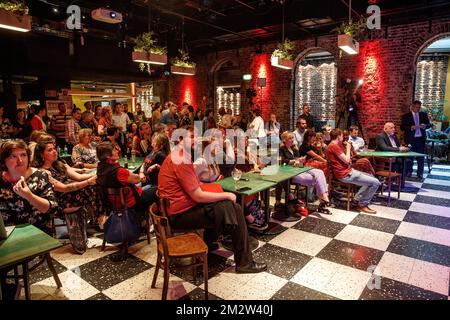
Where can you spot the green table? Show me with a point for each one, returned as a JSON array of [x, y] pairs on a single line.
[[133, 166], [391, 154], [433, 141], [24, 244], [285, 172], [256, 185]]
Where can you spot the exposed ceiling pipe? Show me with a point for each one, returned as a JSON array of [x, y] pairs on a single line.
[[350, 8], [201, 22], [245, 4]]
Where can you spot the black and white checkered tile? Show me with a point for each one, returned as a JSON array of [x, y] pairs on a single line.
[[402, 252]]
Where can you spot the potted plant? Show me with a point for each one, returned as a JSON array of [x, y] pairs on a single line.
[[350, 33], [282, 56], [14, 15], [147, 51], [182, 64]]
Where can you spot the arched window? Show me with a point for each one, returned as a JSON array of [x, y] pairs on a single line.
[[315, 85]]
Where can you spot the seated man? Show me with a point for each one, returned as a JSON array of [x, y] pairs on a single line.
[[357, 142], [437, 148], [388, 141], [192, 208], [341, 166]]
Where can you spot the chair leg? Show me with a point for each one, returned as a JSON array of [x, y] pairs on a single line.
[[348, 198], [389, 189], [147, 227], [166, 280], [399, 182], [155, 274], [205, 274], [103, 244]]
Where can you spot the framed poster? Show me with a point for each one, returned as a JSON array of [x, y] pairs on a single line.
[[52, 107]]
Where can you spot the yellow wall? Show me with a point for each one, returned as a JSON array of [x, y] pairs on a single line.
[[447, 93]]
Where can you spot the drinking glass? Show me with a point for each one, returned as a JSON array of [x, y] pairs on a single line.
[[236, 174]]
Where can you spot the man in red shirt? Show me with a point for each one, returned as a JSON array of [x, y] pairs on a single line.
[[192, 208], [339, 159]]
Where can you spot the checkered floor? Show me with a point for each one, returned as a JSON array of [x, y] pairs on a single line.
[[402, 252]]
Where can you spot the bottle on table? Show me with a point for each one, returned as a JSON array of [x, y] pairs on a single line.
[[125, 161]]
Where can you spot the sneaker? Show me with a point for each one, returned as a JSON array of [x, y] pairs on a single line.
[[258, 226]]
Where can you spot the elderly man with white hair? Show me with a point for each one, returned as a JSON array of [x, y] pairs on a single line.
[[388, 141]]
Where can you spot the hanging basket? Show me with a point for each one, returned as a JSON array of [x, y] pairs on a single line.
[[11, 21], [281, 63], [151, 58], [187, 71]]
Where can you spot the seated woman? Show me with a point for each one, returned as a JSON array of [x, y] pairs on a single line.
[[308, 150], [26, 194], [150, 169], [208, 171], [111, 175], [290, 155], [78, 200], [83, 154], [141, 143]]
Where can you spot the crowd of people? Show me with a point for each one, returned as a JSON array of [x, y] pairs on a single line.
[[37, 185]]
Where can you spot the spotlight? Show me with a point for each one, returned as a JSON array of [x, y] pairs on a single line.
[[112, 14], [360, 82], [55, 10]]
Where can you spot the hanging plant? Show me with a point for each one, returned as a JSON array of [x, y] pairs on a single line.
[[147, 51], [284, 49], [355, 28], [183, 60], [16, 7], [146, 42]]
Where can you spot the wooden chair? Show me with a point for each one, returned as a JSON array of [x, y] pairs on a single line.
[[120, 193], [188, 245], [383, 170], [339, 187]]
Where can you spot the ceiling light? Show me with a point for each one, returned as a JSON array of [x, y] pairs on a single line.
[[348, 44], [10, 21]]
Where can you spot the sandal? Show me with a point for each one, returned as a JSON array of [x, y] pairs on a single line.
[[323, 209]]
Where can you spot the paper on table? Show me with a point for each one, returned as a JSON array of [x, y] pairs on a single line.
[[9, 230], [270, 170]]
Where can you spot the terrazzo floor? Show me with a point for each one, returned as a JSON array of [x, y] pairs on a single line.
[[402, 252]]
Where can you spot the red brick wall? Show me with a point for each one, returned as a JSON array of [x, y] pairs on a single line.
[[386, 64]]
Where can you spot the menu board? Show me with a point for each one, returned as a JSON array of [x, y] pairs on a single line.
[[52, 107]]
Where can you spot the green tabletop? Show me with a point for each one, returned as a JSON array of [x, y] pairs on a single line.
[[438, 140], [25, 242], [390, 154], [133, 166], [255, 185], [284, 173]]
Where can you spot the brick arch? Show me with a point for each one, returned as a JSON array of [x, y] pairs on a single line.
[[299, 58], [425, 42], [212, 71]]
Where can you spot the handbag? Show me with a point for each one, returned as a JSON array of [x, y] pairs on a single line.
[[121, 226]]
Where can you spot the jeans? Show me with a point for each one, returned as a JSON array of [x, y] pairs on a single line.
[[312, 178], [369, 185]]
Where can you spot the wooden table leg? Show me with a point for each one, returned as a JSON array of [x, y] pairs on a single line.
[[26, 280], [53, 270]]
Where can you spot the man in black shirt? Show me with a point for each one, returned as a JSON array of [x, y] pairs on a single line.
[[310, 122]]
